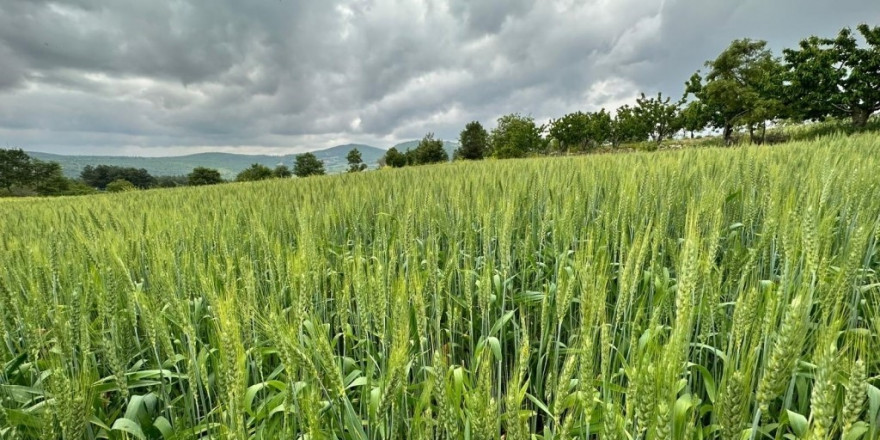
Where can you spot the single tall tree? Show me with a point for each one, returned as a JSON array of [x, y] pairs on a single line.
[[473, 142], [355, 161], [307, 164], [835, 76]]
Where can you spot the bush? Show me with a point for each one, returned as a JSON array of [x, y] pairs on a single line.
[[254, 173], [394, 158], [204, 176], [120, 185]]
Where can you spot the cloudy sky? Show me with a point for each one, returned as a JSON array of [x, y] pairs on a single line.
[[155, 77]]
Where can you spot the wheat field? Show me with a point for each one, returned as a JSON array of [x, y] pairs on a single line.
[[698, 294]]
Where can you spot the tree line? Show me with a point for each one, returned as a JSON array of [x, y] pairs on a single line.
[[745, 88], [23, 175]]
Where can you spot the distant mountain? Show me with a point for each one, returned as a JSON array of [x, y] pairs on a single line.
[[409, 145], [228, 164], [335, 161]]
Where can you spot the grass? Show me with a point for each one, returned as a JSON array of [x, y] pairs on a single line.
[[695, 294], [781, 132]]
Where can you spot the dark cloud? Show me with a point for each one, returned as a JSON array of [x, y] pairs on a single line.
[[487, 16], [288, 75]]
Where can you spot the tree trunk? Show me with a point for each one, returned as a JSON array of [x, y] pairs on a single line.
[[763, 132], [752, 134], [860, 117], [728, 134]]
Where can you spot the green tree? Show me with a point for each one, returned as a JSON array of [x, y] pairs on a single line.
[[355, 161], [120, 185], [307, 164], [628, 126], [659, 116], [101, 175], [473, 142], [97, 176], [741, 87], [282, 172], [394, 158], [515, 136], [48, 179], [254, 173], [693, 117], [601, 127], [581, 131], [204, 176], [572, 131], [23, 175], [16, 169], [835, 76], [429, 151]]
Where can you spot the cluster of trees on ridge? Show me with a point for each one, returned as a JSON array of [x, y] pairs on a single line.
[[744, 88], [23, 175], [429, 150]]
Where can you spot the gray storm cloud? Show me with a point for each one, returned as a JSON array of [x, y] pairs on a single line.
[[175, 77]]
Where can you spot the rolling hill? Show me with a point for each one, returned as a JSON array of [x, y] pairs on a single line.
[[228, 164]]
